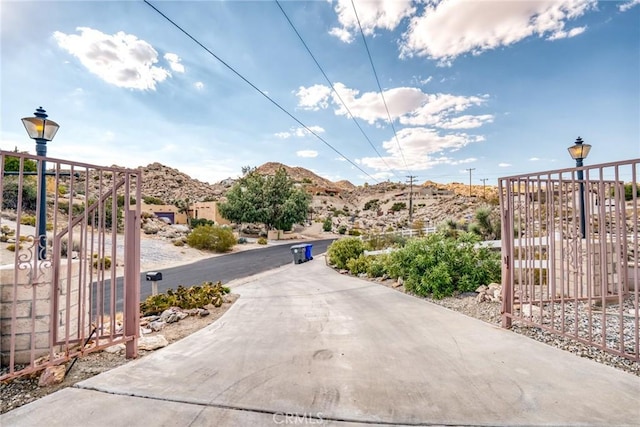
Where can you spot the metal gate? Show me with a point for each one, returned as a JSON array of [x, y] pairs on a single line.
[[571, 254], [69, 261]]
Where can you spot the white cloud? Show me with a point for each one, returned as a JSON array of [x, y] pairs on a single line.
[[307, 153], [314, 97], [567, 34], [504, 165], [534, 159], [410, 106], [422, 148], [371, 14], [174, 62], [628, 5], [447, 29], [120, 59], [463, 161], [299, 132], [199, 85], [340, 159]]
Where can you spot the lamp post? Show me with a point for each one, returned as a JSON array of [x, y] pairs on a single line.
[[579, 151], [41, 130]]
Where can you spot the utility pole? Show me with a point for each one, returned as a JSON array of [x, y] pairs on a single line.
[[470, 169], [484, 182], [411, 178]]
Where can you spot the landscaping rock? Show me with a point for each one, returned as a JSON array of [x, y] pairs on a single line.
[[152, 342], [52, 375]]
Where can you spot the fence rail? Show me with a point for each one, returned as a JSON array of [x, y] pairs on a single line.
[[59, 297], [572, 265]]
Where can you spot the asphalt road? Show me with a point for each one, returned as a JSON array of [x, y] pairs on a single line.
[[227, 267]]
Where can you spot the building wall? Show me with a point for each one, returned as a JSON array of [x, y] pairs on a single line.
[[206, 210]]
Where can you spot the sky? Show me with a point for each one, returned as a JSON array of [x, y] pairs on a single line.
[[366, 91]]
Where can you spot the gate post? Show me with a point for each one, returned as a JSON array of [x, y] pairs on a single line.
[[132, 281], [507, 241]]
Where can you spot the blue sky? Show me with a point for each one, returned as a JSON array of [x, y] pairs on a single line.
[[500, 87]]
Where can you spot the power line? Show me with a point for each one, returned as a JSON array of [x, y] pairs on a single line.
[[233, 70], [375, 73], [333, 87]]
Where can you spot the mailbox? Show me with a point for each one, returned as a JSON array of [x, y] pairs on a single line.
[[154, 276]]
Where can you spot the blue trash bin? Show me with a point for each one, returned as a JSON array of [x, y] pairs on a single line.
[[307, 252]]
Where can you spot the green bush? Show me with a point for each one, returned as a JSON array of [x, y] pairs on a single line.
[[12, 247], [102, 264], [151, 200], [197, 222], [262, 241], [359, 265], [354, 232], [242, 241], [398, 206], [440, 266], [185, 298], [377, 266], [28, 220], [327, 224], [342, 229], [373, 204], [341, 251], [211, 238]]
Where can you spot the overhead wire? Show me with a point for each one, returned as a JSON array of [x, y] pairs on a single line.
[[237, 73], [375, 73], [344, 104]]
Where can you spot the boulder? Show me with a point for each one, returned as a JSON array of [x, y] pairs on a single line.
[[52, 375], [152, 342]]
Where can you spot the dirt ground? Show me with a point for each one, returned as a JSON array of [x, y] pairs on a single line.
[[24, 390]]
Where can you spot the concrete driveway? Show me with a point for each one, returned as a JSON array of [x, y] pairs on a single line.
[[306, 346]]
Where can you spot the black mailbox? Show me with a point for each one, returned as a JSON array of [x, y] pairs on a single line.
[[154, 276]]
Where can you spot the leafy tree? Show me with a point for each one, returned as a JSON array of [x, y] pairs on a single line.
[[12, 164], [271, 200]]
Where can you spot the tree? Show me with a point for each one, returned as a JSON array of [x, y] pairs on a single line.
[[271, 200]]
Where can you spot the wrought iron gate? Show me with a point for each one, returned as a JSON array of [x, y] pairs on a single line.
[[73, 289], [584, 287]]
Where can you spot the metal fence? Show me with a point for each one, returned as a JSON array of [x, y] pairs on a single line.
[[571, 254], [69, 261]]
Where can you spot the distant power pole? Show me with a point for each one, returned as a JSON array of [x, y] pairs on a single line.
[[470, 169], [411, 178], [484, 183]]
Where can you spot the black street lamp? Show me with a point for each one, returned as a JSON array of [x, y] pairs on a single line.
[[41, 130], [579, 151]]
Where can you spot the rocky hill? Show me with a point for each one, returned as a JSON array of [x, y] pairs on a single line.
[[170, 184], [305, 176]]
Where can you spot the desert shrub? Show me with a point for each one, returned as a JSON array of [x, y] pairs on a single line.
[[354, 232], [147, 215], [376, 241], [151, 200], [28, 220], [327, 224], [211, 238], [358, 265], [262, 241], [103, 263], [372, 204], [440, 266], [64, 247], [178, 243], [342, 229], [12, 247], [197, 222], [343, 250], [242, 240], [398, 206], [185, 298]]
